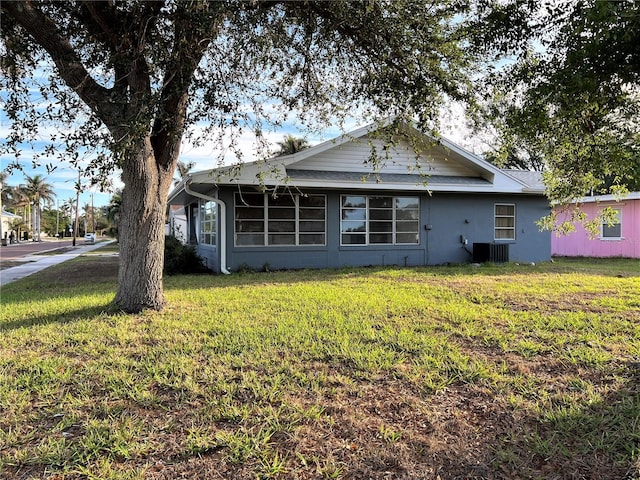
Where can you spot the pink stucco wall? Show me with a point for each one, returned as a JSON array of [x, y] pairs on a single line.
[[578, 242]]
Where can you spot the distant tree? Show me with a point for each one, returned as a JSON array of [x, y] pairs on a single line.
[[19, 225], [70, 209], [5, 187], [291, 144], [89, 218], [12, 197], [48, 221]]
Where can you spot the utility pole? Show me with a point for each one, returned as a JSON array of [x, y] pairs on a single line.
[[34, 222], [57, 219], [39, 214], [93, 216], [75, 230]]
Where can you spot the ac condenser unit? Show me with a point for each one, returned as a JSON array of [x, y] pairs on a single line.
[[490, 252]]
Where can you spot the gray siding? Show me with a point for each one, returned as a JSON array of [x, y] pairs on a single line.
[[352, 157], [472, 216], [444, 219], [209, 256]]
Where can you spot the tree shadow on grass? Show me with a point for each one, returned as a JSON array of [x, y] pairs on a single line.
[[68, 316]]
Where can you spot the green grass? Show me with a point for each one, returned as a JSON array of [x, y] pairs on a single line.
[[497, 371]]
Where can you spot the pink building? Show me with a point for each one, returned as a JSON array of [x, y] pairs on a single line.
[[619, 240]]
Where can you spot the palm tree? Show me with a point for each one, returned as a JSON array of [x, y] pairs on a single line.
[[182, 169], [113, 211], [38, 189], [291, 145], [88, 218]]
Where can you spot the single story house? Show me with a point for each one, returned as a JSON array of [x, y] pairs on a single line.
[[327, 206], [620, 239], [7, 218]]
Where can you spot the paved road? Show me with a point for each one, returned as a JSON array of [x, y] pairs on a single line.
[[18, 250], [34, 263]]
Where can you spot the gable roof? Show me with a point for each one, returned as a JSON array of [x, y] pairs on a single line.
[[361, 160]]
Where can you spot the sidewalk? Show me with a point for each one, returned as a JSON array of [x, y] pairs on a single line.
[[36, 263]]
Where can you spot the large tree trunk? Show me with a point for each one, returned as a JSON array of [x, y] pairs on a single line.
[[142, 219]]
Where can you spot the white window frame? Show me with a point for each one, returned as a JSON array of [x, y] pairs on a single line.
[[202, 223], [496, 227], [265, 220], [604, 224], [367, 209]]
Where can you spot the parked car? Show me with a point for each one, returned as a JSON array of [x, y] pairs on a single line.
[[89, 238]]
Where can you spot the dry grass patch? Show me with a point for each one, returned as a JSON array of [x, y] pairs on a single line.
[[496, 372]]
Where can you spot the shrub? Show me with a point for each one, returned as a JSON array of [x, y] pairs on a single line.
[[180, 258]]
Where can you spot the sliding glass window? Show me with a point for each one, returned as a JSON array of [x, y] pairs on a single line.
[[379, 220], [264, 220]]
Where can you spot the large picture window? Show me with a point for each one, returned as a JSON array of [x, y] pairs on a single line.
[[264, 220], [208, 223], [379, 220], [614, 230], [504, 221]]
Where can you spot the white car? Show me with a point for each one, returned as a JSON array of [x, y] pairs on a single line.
[[89, 238]]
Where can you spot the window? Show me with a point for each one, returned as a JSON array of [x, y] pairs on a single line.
[[261, 219], [208, 224], [378, 220], [615, 229], [504, 221]]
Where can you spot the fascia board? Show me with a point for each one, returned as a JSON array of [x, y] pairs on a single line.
[[499, 175], [176, 192], [347, 185], [610, 198]]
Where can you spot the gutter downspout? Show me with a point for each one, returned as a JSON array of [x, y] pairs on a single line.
[[223, 221]]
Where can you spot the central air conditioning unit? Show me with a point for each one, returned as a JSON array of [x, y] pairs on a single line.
[[490, 252]]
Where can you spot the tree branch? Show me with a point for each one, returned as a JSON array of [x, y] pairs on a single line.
[[192, 37], [45, 32]]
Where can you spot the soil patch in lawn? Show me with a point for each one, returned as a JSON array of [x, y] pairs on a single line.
[[98, 268]]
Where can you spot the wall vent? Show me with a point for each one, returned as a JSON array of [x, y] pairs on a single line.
[[490, 252]]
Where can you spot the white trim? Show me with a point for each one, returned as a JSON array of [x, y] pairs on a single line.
[[602, 225], [201, 221], [495, 227], [616, 199]]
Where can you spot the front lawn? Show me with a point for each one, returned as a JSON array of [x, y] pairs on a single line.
[[489, 372]]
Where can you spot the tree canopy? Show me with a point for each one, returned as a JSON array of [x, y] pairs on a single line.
[[572, 93], [129, 80]]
